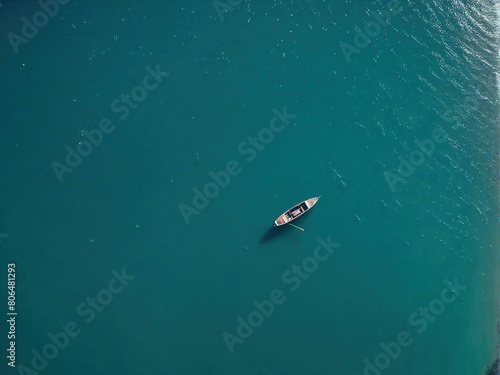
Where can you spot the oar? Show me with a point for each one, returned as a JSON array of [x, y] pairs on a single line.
[[296, 227]]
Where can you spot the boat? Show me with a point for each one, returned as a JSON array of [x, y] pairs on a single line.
[[296, 211]]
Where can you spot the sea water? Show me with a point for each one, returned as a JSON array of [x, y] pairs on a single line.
[[146, 153]]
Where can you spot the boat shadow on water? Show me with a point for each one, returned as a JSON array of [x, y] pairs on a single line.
[[275, 232]]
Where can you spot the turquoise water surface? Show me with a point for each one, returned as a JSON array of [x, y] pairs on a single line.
[[147, 148]]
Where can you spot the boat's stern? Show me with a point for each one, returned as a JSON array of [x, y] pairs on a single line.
[[279, 221]]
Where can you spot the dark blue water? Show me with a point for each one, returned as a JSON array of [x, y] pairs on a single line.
[[147, 148]]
